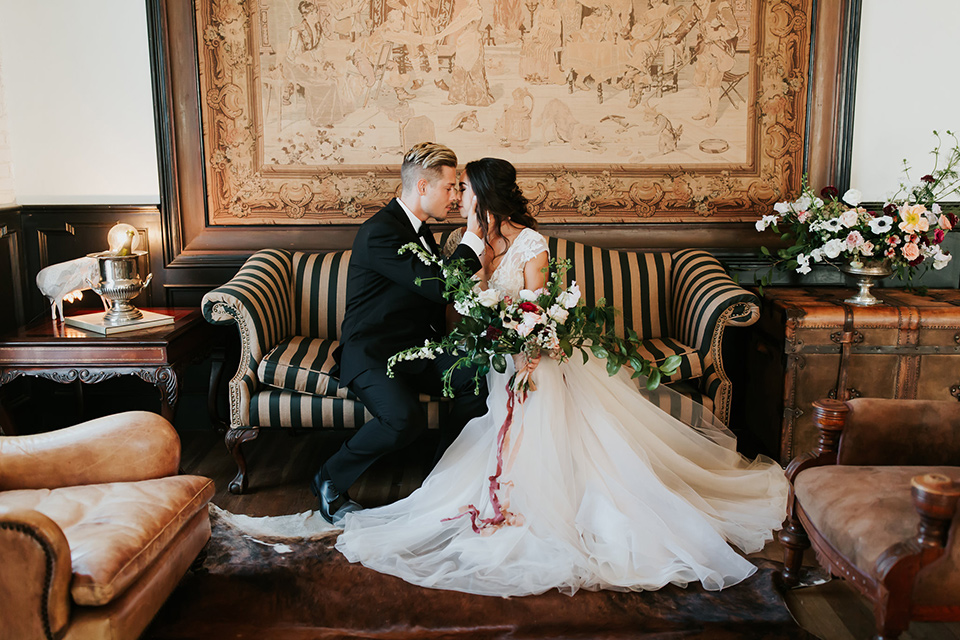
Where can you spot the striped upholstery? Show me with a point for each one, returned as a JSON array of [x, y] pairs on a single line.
[[288, 307], [320, 284], [636, 283], [303, 364], [659, 349]]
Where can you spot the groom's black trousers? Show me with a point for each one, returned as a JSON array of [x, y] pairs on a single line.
[[399, 417]]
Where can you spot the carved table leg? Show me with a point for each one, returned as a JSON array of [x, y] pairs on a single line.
[[233, 439], [166, 380]]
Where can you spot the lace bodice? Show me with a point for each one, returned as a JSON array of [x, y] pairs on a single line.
[[508, 277]]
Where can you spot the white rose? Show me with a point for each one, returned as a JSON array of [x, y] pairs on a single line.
[[849, 218], [488, 298], [527, 295], [833, 248], [570, 297], [558, 313], [853, 197], [530, 322], [817, 255]]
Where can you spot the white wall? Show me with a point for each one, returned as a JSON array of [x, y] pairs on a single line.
[[908, 85], [79, 105], [7, 192]]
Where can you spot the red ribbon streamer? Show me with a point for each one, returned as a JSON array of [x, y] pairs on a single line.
[[499, 517]]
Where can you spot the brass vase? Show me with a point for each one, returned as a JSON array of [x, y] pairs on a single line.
[[867, 273]]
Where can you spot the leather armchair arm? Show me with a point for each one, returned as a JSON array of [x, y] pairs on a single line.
[[124, 447], [881, 431], [705, 301], [257, 300], [35, 581]]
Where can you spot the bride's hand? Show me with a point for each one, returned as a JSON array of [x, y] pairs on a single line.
[[473, 221]]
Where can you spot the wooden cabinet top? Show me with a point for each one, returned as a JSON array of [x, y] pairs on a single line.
[[824, 306]]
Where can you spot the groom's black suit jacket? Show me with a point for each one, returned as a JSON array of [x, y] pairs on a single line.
[[386, 310]]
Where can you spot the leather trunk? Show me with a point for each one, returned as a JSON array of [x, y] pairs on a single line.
[[809, 344]]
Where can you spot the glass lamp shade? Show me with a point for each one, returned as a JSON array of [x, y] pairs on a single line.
[[117, 237]]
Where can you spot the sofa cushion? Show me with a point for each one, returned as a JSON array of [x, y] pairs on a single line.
[[659, 349], [863, 510], [115, 531], [302, 364]]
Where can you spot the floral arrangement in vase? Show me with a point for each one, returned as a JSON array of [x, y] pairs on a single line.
[[905, 236]]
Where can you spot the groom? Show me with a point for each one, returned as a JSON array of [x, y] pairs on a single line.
[[388, 312]]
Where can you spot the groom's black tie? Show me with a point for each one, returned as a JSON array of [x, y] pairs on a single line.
[[427, 238]]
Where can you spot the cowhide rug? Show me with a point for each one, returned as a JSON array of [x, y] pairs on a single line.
[[281, 578]]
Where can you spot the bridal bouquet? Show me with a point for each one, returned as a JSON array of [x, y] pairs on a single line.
[[551, 321], [906, 233]]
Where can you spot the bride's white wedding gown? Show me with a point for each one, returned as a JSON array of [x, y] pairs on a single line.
[[603, 490]]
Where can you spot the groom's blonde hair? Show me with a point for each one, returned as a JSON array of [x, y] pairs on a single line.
[[425, 158]]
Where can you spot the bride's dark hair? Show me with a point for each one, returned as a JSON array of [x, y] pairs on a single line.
[[494, 182]]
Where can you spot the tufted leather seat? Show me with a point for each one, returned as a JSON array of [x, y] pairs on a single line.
[[95, 527]]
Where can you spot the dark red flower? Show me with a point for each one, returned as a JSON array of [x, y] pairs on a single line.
[[891, 209], [916, 260], [529, 306], [492, 333], [830, 191], [952, 217], [927, 178], [938, 236]]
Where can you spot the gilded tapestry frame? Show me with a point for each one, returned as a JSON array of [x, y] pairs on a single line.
[[209, 125]]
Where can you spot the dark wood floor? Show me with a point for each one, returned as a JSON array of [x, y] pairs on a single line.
[[282, 464]]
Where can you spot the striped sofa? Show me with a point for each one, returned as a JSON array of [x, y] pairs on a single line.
[[288, 306]]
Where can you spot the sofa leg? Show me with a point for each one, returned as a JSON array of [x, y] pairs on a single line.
[[795, 541], [233, 439]]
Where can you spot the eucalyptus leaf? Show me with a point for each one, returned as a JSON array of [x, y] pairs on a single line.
[[499, 363]]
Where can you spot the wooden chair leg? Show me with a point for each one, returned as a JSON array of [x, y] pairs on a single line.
[[233, 439], [795, 541]]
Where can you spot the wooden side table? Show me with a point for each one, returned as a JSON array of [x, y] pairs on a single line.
[[808, 344], [49, 349]]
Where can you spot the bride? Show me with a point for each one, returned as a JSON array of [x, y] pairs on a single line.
[[597, 486]]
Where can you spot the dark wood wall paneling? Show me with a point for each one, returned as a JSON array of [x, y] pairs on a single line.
[[12, 270]]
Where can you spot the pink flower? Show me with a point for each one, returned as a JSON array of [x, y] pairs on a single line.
[[854, 239], [910, 251], [890, 253], [945, 223], [893, 241], [938, 236], [803, 216]]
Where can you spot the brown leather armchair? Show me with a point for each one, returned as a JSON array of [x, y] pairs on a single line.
[[878, 501], [96, 527]]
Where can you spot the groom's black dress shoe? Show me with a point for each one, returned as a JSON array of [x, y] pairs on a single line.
[[333, 504]]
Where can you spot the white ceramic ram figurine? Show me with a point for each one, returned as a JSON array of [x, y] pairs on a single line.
[[66, 281]]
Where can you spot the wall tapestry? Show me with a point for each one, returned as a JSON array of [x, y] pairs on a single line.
[[612, 110]]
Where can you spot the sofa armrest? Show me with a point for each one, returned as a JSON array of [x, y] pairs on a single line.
[[124, 447], [35, 581], [705, 300], [883, 431], [258, 300]]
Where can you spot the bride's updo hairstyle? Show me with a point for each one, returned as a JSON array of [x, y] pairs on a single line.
[[494, 182]]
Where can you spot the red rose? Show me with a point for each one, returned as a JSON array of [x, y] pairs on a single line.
[[891, 209], [492, 333], [938, 236], [952, 217], [916, 260], [830, 191], [927, 178], [529, 306]]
